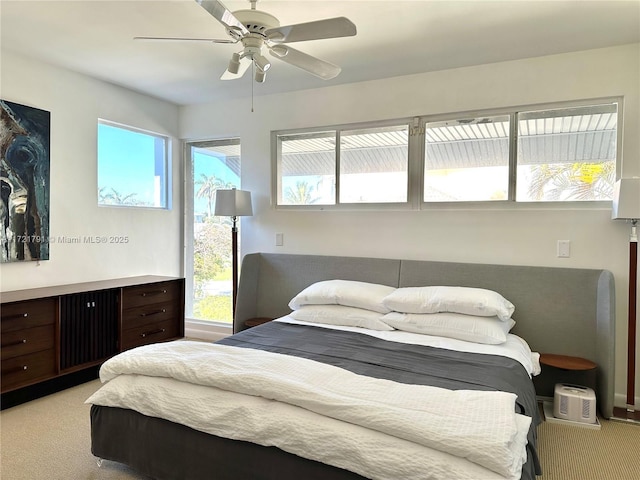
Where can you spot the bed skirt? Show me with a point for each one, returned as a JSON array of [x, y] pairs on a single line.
[[166, 450]]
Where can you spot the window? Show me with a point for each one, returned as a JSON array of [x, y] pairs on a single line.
[[132, 167], [212, 165], [554, 153], [374, 165], [307, 169], [467, 160], [354, 166], [567, 154]]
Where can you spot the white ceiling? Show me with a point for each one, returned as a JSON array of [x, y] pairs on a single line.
[[394, 38]]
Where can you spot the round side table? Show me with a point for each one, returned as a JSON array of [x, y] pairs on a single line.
[[564, 369]]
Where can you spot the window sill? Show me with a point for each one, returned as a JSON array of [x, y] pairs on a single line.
[[505, 205], [203, 330]]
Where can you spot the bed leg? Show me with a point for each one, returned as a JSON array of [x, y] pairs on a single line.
[[99, 462]]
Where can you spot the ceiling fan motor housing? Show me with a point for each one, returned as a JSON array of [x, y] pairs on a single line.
[[256, 21]]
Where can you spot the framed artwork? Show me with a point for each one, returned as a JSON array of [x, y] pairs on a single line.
[[24, 182]]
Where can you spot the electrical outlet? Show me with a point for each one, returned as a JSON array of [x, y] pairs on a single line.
[[564, 248], [279, 239]]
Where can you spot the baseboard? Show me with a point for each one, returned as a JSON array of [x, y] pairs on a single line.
[[621, 399]]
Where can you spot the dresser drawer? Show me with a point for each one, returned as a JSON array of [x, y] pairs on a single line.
[[26, 369], [150, 294], [27, 340], [30, 313], [151, 333], [147, 314]]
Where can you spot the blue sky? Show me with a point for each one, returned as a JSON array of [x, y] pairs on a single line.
[[121, 150], [210, 163]]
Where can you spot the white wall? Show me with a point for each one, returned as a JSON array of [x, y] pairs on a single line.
[[509, 235], [76, 102]]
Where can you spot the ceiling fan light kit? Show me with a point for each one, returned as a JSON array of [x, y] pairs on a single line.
[[234, 63], [260, 76], [261, 62], [258, 31]]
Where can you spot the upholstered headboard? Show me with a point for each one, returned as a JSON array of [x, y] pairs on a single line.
[[567, 311]]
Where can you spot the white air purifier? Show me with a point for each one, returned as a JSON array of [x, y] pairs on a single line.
[[574, 403]]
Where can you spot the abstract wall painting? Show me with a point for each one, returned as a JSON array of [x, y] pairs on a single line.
[[24, 182]]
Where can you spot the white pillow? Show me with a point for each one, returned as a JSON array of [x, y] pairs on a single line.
[[470, 328], [341, 315], [470, 301], [344, 292]]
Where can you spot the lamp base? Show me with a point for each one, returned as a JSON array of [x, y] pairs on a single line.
[[626, 415]]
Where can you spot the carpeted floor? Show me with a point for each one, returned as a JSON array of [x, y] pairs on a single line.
[[49, 439], [611, 453]]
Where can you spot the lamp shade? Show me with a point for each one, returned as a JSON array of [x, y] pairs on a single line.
[[626, 199], [233, 203]]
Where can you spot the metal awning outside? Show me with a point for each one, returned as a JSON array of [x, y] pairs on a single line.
[[587, 138]]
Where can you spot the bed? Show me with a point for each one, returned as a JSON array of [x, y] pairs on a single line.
[[303, 399]]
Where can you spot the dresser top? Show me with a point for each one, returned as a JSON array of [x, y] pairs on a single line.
[[54, 291]]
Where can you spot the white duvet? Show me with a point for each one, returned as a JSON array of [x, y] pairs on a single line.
[[377, 428]]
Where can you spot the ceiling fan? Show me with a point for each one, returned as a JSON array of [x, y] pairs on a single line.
[[258, 31]]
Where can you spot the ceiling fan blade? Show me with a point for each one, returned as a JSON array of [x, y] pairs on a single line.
[[245, 63], [182, 39], [313, 65], [320, 29], [224, 16]]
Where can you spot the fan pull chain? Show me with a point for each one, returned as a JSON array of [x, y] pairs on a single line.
[[253, 73]]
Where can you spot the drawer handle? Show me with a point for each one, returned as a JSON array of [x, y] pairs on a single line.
[[153, 332], [154, 292], [157, 312], [13, 344], [19, 315]]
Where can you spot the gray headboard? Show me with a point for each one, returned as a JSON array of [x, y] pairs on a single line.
[[567, 311]]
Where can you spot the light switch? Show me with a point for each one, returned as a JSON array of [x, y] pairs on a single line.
[[564, 248]]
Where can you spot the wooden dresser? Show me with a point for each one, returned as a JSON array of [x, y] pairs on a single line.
[[28, 342], [50, 332], [149, 313]]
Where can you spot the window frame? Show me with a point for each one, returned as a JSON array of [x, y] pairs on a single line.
[[210, 329], [416, 161], [464, 116], [276, 177], [166, 183], [618, 160], [315, 133]]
